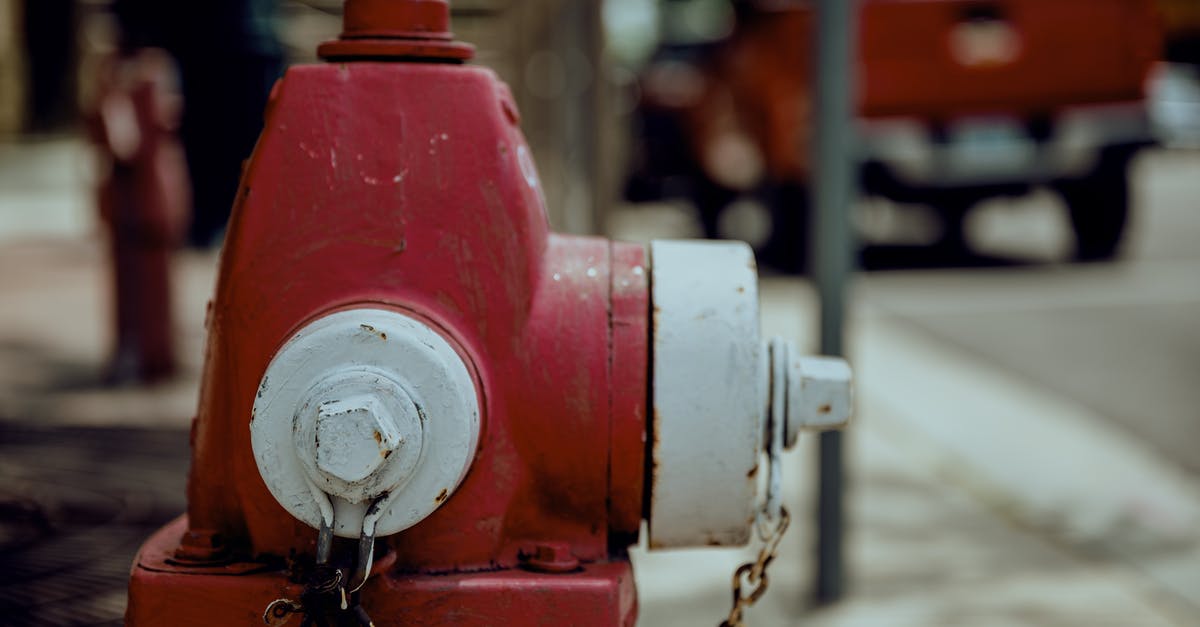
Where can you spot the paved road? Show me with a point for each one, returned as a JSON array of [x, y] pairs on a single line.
[[1027, 380], [1123, 339]]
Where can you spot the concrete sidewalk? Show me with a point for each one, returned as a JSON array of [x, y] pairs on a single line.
[[976, 497]]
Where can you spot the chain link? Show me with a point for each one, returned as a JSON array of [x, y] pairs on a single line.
[[326, 599], [754, 574]]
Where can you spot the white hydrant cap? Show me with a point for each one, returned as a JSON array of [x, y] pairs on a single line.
[[720, 414], [364, 405]]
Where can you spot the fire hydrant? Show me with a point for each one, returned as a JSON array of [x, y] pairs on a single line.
[[143, 200], [420, 406]]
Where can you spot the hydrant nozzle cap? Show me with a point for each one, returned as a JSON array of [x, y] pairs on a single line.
[[396, 29]]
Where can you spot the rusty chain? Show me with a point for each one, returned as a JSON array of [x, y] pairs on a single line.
[[755, 574], [326, 600]]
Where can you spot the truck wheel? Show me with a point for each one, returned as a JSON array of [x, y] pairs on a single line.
[[787, 247], [710, 199], [1098, 205]]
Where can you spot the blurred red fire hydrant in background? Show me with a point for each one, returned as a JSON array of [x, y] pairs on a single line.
[[400, 349], [143, 197]]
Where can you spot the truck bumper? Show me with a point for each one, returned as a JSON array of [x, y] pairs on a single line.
[[997, 151]]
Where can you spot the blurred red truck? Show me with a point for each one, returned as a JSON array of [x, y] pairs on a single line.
[[959, 101], [964, 100]]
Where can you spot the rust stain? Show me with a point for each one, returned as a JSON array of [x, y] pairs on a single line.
[[741, 289], [824, 409], [441, 496], [370, 329], [753, 472], [378, 438]]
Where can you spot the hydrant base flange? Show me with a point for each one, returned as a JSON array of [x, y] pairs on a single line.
[[595, 594]]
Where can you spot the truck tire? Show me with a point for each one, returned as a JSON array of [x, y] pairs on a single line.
[[1098, 205], [787, 247]]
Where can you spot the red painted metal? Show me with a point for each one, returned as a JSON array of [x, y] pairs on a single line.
[[594, 594], [413, 29], [630, 361], [143, 201], [409, 186]]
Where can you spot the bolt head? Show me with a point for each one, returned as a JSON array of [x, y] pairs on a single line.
[[549, 557], [354, 437], [820, 395]]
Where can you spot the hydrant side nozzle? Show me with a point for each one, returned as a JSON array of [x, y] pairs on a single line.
[[820, 395]]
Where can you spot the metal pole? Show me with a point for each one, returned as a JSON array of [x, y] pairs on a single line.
[[833, 188]]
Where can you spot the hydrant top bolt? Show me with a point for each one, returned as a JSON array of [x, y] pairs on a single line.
[[355, 436]]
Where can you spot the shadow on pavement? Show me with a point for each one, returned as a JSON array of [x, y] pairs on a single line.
[[924, 257], [75, 505]]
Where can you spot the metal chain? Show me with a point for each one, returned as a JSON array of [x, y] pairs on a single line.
[[755, 574], [326, 595]]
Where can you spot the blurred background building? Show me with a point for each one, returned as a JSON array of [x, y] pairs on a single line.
[[1025, 451]]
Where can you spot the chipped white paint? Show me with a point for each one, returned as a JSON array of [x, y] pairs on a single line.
[[779, 351], [525, 161], [708, 392], [365, 404]]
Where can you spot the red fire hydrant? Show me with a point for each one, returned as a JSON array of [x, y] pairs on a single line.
[[422, 407], [143, 200]]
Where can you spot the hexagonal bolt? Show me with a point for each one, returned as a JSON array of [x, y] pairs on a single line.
[[354, 437], [820, 395]]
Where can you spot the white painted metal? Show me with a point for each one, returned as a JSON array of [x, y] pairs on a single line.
[[709, 394], [780, 351], [361, 405], [724, 401], [358, 433], [820, 395]]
